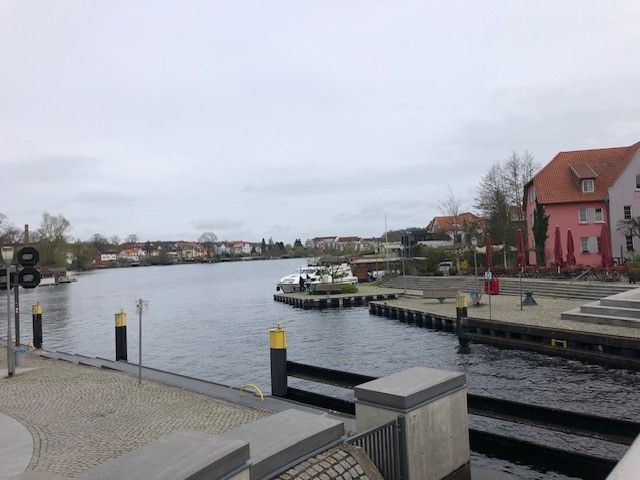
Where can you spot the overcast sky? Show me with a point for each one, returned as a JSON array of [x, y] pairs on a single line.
[[295, 119]]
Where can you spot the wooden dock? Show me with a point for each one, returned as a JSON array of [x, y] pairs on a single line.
[[365, 295], [601, 344]]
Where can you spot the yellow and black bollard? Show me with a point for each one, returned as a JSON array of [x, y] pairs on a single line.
[[36, 314], [121, 336], [278, 346]]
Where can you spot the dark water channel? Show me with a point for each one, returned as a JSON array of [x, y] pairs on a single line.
[[211, 321]]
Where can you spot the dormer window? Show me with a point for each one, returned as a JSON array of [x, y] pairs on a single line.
[[587, 186]]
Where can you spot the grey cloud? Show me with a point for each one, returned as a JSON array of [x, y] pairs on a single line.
[[48, 169], [218, 224], [99, 197]]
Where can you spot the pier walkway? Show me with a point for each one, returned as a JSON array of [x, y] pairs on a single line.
[[366, 293]]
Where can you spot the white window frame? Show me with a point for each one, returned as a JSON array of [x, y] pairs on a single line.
[[584, 244], [638, 181], [624, 212], [586, 215], [592, 182], [595, 215]]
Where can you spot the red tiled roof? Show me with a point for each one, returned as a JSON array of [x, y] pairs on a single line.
[[349, 239], [560, 181], [445, 223]]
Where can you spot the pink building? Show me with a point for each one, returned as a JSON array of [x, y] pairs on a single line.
[[576, 189]]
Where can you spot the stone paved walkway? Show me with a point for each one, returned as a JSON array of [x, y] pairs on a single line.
[[80, 416]]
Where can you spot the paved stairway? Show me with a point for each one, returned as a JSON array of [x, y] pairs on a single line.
[[510, 286], [622, 309]]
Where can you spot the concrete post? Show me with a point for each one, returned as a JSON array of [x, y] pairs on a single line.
[[434, 406]]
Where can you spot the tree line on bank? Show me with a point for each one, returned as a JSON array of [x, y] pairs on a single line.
[[58, 249]]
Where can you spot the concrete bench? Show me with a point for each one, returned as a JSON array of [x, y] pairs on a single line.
[[440, 293], [278, 440], [178, 456]]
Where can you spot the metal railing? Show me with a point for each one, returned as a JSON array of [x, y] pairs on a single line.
[[576, 278], [386, 447]]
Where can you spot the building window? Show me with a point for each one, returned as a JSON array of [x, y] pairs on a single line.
[[627, 212], [591, 215], [587, 185], [583, 215], [629, 240], [532, 194], [589, 244], [597, 215], [584, 242], [638, 182]]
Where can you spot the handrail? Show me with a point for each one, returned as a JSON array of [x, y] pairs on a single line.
[[255, 387], [577, 277]]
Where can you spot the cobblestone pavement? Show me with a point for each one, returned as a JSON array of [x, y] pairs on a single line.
[[340, 463], [507, 308], [80, 416]]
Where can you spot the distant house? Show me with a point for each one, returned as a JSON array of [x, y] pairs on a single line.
[[371, 244], [351, 243], [105, 258], [233, 247], [583, 190], [325, 243], [455, 227], [131, 254], [192, 251]]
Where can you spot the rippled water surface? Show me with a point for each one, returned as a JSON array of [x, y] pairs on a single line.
[[211, 321]]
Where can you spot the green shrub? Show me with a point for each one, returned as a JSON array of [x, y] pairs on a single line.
[[348, 288], [453, 271]]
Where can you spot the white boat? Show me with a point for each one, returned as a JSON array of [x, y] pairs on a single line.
[[317, 274], [291, 283]]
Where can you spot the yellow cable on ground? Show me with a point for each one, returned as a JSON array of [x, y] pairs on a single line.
[[257, 389]]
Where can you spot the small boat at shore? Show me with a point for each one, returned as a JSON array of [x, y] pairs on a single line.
[[316, 274]]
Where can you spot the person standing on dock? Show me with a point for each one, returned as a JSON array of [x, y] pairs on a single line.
[[301, 282]]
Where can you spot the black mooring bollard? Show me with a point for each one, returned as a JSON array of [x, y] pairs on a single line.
[[121, 336], [278, 347], [36, 314], [461, 317]]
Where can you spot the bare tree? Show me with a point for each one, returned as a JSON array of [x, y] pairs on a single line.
[[208, 240], [9, 234], [450, 206], [132, 239], [114, 240]]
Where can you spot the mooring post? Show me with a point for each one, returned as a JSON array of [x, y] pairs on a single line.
[[36, 314], [121, 336], [278, 347], [461, 313]]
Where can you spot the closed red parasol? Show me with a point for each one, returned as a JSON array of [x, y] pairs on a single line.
[[557, 249], [571, 258], [488, 251], [605, 247]]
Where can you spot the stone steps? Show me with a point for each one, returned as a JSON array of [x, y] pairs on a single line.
[[621, 309], [578, 316], [511, 286]]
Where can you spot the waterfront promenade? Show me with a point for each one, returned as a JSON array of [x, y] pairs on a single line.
[[79, 416]]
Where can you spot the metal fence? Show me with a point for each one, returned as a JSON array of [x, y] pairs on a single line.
[[386, 447]]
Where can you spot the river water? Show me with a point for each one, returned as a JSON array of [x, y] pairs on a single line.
[[211, 321]]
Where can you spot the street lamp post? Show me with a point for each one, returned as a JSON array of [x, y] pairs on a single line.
[[7, 258], [404, 279], [474, 243]]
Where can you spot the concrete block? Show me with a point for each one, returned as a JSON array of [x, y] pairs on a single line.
[[179, 456], [280, 439], [409, 388], [434, 406]]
